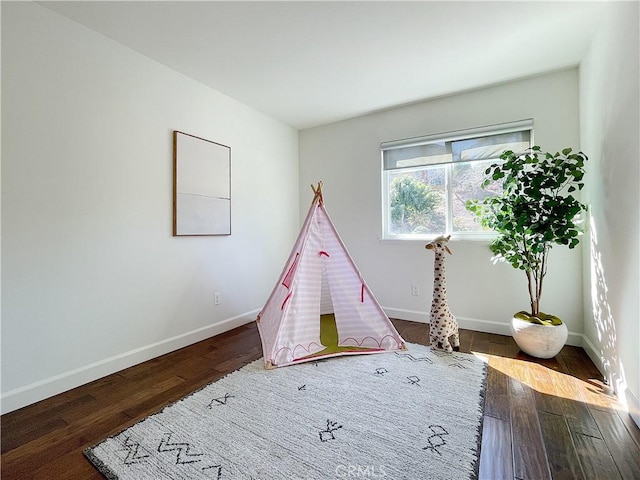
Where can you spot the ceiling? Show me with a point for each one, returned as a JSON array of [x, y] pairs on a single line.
[[311, 63]]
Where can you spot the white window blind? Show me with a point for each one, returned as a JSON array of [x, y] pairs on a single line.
[[485, 143]]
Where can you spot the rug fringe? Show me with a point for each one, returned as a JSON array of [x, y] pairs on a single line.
[[483, 396]]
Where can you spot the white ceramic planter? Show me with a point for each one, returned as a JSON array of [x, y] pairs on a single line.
[[537, 340]]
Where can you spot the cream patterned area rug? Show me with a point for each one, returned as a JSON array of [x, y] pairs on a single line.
[[415, 415]]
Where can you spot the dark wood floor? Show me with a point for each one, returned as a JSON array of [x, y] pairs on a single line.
[[543, 418]]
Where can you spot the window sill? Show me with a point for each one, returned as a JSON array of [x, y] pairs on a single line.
[[460, 237]]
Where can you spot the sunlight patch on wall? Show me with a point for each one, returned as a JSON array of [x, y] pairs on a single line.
[[603, 319]]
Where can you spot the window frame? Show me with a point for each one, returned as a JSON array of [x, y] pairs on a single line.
[[452, 136]]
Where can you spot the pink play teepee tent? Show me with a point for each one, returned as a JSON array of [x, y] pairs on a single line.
[[321, 279]]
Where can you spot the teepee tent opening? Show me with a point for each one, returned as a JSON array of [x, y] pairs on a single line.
[[321, 306]]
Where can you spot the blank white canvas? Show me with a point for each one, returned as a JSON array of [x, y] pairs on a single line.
[[203, 187]]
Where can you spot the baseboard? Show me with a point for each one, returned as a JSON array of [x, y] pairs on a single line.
[[476, 324], [411, 315], [23, 396], [593, 353], [633, 406]]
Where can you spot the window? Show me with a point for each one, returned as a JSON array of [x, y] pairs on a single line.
[[428, 180]]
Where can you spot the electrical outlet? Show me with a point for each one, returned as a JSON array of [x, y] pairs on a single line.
[[216, 298], [415, 289]]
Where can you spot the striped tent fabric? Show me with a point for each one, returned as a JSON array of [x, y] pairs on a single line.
[[321, 278]]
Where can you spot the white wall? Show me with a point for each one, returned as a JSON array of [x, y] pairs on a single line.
[[610, 126], [92, 279], [346, 156]]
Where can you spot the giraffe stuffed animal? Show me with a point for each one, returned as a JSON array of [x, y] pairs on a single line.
[[443, 323]]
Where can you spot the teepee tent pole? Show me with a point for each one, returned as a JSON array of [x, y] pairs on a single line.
[[317, 197]]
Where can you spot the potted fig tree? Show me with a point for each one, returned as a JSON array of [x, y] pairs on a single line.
[[535, 211]]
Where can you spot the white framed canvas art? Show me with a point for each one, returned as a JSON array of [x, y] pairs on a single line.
[[202, 186]]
